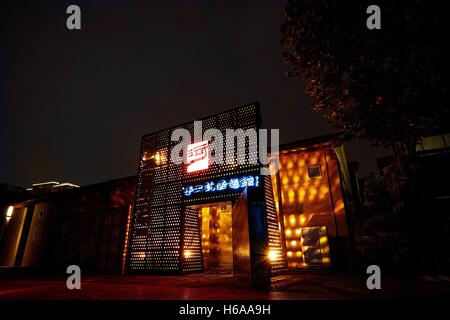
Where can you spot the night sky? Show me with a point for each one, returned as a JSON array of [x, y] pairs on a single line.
[[74, 104]]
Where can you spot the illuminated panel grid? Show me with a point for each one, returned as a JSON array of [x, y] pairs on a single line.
[[127, 234], [192, 247], [155, 243], [308, 247], [164, 231], [293, 235], [306, 207], [137, 254], [245, 118], [276, 248]]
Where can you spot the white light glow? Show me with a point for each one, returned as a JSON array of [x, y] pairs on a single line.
[[272, 255], [9, 213]]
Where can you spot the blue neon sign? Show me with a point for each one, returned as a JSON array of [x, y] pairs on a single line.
[[234, 183]]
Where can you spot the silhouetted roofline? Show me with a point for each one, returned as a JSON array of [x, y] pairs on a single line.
[[62, 193]]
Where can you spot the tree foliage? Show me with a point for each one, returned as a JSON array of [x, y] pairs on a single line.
[[387, 86]]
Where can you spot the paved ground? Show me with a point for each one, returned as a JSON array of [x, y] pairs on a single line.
[[222, 287]]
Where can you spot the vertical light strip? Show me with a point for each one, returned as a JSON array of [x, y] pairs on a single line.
[[9, 213], [125, 245]]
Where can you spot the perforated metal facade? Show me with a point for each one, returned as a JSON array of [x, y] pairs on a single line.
[[278, 261], [165, 230]]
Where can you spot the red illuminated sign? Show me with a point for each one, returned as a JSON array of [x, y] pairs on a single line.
[[197, 156]]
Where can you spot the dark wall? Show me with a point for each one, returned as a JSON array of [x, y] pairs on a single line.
[[84, 226], [89, 227]]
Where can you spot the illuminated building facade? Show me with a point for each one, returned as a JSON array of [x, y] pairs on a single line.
[[313, 183], [228, 217], [219, 217], [194, 216]]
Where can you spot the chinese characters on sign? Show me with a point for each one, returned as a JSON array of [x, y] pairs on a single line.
[[197, 156], [221, 185]]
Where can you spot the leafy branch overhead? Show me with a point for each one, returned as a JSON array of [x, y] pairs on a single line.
[[387, 86]]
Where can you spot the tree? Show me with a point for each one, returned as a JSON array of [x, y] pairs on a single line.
[[388, 86]]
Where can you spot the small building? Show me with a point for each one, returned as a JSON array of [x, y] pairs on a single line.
[[84, 226], [313, 183]]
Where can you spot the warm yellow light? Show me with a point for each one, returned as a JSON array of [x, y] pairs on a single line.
[[272, 255], [339, 205], [324, 189], [291, 196], [288, 232], [141, 255], [292, 219], [187, 254], [289, 253], [293, 243], [302, 194], [9, 212], [323, 241], [298, 253], [312, 193], [302, 220], [298, 231]]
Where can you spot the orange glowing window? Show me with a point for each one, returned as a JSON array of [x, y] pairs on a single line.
[[197, 156]]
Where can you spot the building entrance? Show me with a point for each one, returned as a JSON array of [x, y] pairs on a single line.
[[215, 226]]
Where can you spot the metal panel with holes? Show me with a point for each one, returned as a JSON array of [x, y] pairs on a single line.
[[163, 226], [165, 233]]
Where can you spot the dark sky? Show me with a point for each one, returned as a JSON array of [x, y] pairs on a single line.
[[74, 104]]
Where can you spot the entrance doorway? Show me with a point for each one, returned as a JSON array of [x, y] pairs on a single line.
[[215, 221]]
